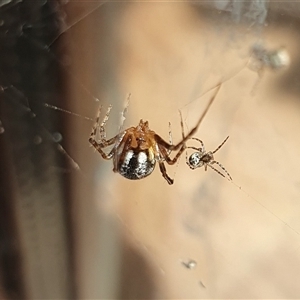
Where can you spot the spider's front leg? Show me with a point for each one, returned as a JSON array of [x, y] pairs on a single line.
[[210, 165], [166, 149], [99, 146], [102, 135], [201, 149], [222, 167], [102, 131], [164, 173], [164, 152]]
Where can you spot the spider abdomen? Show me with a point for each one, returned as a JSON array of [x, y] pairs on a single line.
[[195, 160], [136, 164]]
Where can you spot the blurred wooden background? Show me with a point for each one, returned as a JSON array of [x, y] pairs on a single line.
[[134, 235], [133, 239]]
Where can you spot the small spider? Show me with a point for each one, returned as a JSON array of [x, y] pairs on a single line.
[[203, 158], [136, 150]]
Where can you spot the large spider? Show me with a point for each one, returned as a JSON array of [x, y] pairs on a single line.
[[136, 150], [202, 158]]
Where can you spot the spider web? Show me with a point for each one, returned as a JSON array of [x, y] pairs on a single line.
[[198, 212]]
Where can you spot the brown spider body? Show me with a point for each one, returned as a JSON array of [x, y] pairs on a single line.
[[136, 150], [135, 159]]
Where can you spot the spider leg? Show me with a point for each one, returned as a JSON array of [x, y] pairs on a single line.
[[124, 113], [187, 160], [103, 143], [167, 158], [194, 148], [123, 143], [166, 151], [102, 125], [99, 146], [164, 173], [96, 124], [181, 124], [174, 160], [170, 138], [202, 149], [193, 130], [216, 170], [221, 166], [221, 145], [170, 132]]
